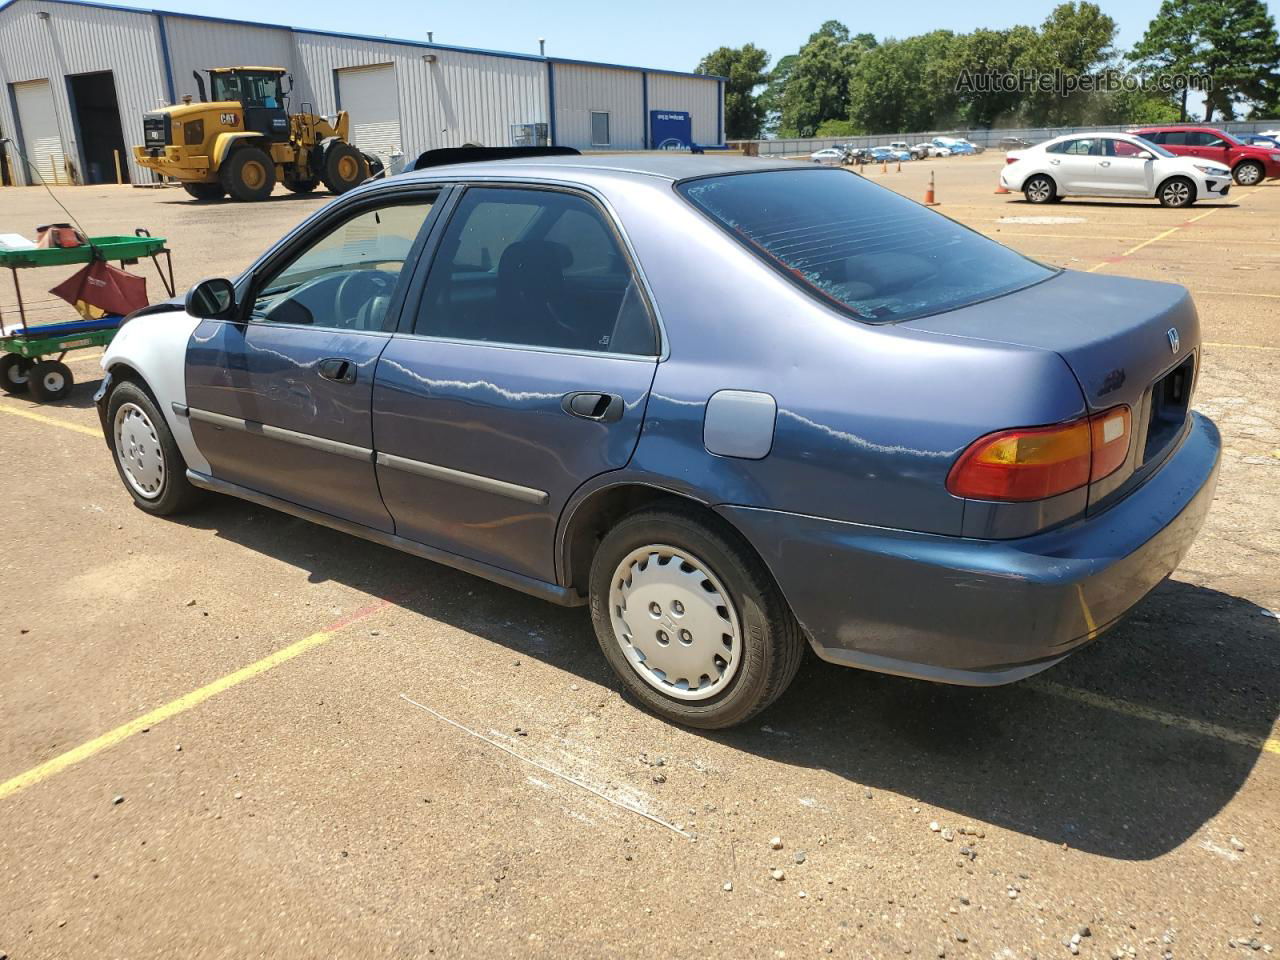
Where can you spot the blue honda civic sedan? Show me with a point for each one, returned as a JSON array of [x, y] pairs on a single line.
[[738, 407]]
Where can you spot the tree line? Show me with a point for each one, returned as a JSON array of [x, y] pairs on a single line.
[[841, 84]]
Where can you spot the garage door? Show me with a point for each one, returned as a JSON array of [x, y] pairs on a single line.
[[369, 94], [41, 141]]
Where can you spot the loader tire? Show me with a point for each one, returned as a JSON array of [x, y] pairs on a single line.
[[344, 168], [249, 174]]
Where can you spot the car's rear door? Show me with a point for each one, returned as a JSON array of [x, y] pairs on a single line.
[[521, 370], [280, 397]]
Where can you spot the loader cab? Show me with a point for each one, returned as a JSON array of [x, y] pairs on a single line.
[[260, 91]]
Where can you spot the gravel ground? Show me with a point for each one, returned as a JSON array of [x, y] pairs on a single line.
[[446, 768]]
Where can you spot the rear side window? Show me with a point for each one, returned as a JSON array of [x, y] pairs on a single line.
[[866, 249], [538, 268]]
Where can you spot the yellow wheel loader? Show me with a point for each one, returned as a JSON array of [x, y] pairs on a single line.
[[244, 140]]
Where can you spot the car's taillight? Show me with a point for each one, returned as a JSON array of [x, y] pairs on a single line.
[[1033, 463], [1008, 159]]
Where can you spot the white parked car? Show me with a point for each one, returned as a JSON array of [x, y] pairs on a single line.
[[1111, 165], [933, 149], [830, 156], [918, 152]]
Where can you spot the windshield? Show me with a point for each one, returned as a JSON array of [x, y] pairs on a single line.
[[861, 247], [1155, 148], [251, 89]]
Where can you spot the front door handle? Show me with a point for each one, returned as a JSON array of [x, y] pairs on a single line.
[[589, 405], [1104, 163], [337, 369]]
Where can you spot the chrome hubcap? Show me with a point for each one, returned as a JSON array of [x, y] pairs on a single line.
[[1039, 191], [674, 622], [1176, 193], [1249, 174], [138, 450]]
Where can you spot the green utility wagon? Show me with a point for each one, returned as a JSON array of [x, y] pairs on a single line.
[[31, 356]]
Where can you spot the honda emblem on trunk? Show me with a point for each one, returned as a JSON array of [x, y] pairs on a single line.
[[1174, 343]]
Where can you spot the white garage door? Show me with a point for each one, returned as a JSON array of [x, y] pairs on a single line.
[[41, 141], [369, 94]]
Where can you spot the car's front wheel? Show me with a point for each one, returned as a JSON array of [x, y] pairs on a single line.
[[690, 620], [1177, 192], [1248, 173], [1039, 189], [145, 453]]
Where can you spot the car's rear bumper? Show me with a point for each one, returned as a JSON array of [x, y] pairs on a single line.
[[984, 612]]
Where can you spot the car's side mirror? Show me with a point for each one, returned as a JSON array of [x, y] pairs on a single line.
[[212, 299], [1145, 155]]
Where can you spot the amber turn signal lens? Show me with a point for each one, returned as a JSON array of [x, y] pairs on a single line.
[[1034, 463]]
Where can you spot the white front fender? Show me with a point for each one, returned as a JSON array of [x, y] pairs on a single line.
[[155, 345]]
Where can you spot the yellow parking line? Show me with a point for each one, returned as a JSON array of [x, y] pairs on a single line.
[[1238, 346], [181, 705], [1160, 236], [1115, 705], [51, 421]]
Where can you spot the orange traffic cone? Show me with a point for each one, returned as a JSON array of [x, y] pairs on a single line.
[[1001, 188], [884, 165], [899, 170], [929, 200]]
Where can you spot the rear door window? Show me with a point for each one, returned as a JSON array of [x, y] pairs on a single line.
[[538, 268], [867, 250]]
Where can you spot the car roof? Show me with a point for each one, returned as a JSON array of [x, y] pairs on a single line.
[[660, 164]]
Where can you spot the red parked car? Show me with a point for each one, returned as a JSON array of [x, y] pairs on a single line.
[[1249, 164]]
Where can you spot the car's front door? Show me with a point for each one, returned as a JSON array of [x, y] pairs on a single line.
[[522, 369], [1122, 171], [1075, 166], [280, 396]]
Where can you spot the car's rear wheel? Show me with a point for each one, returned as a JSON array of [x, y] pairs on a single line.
[[1248, 173], [145, 453], [690, 620], [1177, 192], [1039, 189]]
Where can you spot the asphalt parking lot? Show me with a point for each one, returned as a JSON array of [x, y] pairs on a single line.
[[237, 734]]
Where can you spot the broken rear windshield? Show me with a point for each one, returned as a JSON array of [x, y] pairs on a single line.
[[866, 249]]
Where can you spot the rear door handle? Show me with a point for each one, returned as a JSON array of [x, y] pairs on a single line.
[[589, 405], [337, 369]]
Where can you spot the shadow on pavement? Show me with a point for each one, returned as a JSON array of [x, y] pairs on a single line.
[[1027, 757]]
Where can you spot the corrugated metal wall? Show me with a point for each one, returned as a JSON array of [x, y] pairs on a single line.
[[701, 97], [76, 39], [445, 97], [580, 90], [459, 98], [200, 44]]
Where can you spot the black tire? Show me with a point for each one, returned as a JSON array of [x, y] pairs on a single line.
[[174, 492], [344, 167], [1176, 192], [1040, 189], [301, 186], [249, 174], [772, 644], [1248, 173], [204, 192], [376, 168], [15, 373], [50, 381]]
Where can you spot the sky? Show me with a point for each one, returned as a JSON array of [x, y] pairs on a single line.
[[669, 34]]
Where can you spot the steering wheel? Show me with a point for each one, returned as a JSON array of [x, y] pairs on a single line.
[[357, 291]]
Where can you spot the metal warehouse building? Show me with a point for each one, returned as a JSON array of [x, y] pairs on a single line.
[[77, 78]]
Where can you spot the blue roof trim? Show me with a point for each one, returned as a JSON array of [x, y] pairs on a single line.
[[420, 44]]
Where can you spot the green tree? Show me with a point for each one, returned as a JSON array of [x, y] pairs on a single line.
[[994, 52], [1231, 43], [905, 85], [744, 70], [1077, 39], [771, 96], [817, 83]]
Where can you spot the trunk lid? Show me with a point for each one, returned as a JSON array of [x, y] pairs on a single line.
[[1128, 341]]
